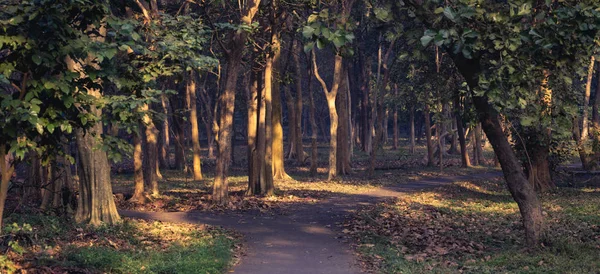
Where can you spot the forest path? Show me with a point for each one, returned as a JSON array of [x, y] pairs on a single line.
[[305, 240]]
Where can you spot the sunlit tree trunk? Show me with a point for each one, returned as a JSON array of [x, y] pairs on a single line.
[[227, 103], [277, 137], [586, 99], [95, 204], [331, 95], [253, 159], [193, 116], [150, 154], [267, 175], [138, 172], [164, 141], [7, 169]]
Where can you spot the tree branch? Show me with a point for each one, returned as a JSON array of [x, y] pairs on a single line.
[[316, 72]]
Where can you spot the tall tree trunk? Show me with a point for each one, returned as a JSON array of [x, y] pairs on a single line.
[[151, 154], [267, 175], [277, 137], [478, 146], [227, 103], [95, 204], [460, 131], [299, 144], [596, 120], [454, 142], [164, 142], [521, 190], [291, 122], [427, 117], [586, 99], [331, 96], [474, 144], [343, 132], [313, 124], [366, 118], [138, 171], [253, 159], [191, 104]]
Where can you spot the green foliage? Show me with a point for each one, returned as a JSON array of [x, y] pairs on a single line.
[[324, 29], [528, 53], [41, 99]]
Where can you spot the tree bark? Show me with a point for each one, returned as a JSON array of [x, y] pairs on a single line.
[[95, 204], [313, 124], [478, 146], [7, 169], [331, 95], [277, 137], [586, 100], [151, 154], [291, 122], [164, 141], [538, 169], [299, 144], [460, 131], [138, 172], [343, 132], [193, 116], [521, 190], [227, 104], [253, 159]]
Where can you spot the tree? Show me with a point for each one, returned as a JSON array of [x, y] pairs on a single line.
[[234, 55], [318, 31], [489, 58]]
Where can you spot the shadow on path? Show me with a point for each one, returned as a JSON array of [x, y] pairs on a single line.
[[304, 241]]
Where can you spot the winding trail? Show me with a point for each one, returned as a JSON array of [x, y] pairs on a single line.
[[304, 241]]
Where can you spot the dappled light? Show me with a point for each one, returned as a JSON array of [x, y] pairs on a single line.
[[270, 136]]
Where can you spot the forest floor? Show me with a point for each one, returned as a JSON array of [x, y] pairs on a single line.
[[474, 226], [34, 243], [308, 239], [299, 230], [180, 193]]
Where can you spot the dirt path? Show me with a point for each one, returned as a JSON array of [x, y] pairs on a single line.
[[304, 241]]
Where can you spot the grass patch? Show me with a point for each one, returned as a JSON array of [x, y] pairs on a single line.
[[475, 227], [134, 246]]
